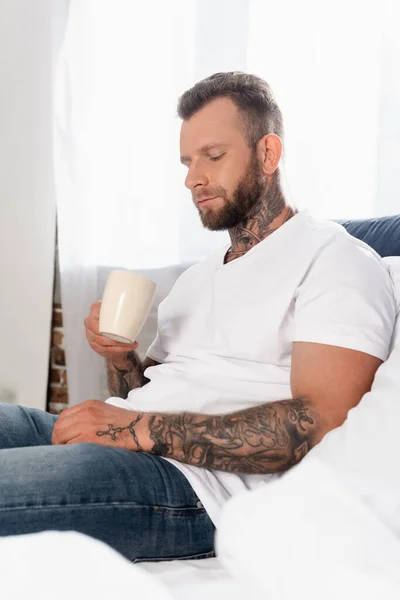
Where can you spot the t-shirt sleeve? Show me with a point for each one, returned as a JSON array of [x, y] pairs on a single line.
[[346, 299], [155, 350]]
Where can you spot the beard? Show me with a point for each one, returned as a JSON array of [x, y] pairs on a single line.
[[241, 204]]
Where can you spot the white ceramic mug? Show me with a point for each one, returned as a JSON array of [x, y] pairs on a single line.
[[126, 304]]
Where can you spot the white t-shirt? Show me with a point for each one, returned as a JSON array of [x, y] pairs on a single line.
[[225, 331]]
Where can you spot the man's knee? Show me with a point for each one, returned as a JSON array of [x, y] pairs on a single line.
[[22, 427]]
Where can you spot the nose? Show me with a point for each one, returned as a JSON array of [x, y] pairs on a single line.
[[196, 177]]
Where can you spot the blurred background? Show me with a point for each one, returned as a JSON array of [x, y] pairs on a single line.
[[90, 178]]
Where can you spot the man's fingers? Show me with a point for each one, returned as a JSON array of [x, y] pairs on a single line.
[[100, 340], [92, 320], [95, 308], [102, 344], [92, 323], [65, 429], [58, 435], [74, 440], [97, 348], [105, 341]]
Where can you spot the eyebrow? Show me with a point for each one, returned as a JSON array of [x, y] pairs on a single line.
[[203, 150]]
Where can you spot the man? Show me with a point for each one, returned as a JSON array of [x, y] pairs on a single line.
[[261, 350]]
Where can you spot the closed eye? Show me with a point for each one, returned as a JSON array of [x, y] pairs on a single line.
[[215, 158]]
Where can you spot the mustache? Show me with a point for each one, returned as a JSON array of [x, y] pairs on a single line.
[[208, 193]]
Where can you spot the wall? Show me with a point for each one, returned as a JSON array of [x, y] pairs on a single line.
[[27, 206]]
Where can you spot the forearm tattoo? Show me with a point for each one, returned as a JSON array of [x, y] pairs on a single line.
[[122, 381], [268, 438]]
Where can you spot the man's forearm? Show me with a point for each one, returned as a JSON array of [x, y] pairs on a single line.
[[125, 374], [268, 438]]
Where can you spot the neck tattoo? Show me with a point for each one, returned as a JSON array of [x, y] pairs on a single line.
[[267, 217]]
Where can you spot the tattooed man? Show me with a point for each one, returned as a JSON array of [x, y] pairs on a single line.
[[261, 350]]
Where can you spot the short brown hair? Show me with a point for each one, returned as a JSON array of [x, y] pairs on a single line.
[[252, 95]]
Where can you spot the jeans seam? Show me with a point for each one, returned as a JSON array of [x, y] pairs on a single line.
[[104, 505], [197, 556]]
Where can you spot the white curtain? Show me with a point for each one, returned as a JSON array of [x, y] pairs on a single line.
[[335, 68]]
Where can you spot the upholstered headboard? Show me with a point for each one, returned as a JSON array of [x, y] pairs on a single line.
[[381, 233]]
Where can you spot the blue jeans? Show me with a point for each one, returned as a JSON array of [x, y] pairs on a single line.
[[139, 504]]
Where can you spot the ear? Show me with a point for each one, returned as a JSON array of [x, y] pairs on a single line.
[[269, 152]]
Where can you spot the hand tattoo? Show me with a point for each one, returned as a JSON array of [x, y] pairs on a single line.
[[113, 431]]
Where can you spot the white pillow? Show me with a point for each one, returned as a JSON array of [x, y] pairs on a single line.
[[307, 536], [393, 265]]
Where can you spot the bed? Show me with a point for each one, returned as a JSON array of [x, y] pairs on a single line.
[[329, 528]]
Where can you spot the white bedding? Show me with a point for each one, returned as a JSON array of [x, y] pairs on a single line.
[[196, 579], [72, 566]]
